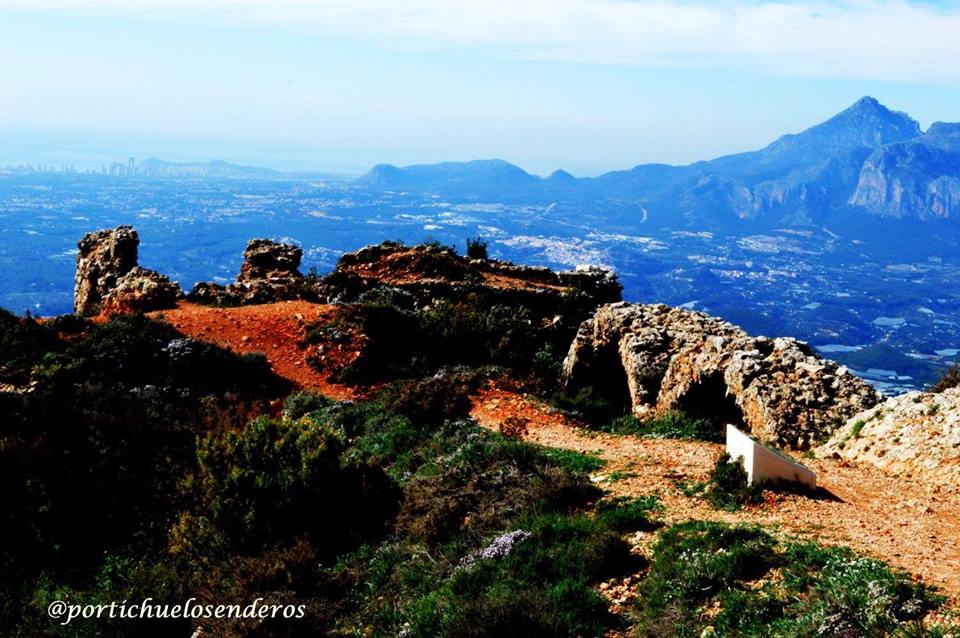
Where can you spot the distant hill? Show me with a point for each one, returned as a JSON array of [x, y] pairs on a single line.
[[448, 176], [865, 159], [154, 167]]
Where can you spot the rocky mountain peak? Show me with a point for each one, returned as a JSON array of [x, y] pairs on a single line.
[[866, 123]]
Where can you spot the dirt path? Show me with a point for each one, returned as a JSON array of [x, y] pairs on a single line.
[[907, 524]]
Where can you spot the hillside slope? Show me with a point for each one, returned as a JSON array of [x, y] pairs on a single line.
[[908, 523]]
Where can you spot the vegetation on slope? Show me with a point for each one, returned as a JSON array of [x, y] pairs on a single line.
[[397, 516]]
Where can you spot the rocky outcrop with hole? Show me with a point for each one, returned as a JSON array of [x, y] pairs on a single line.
[[109, 280], [658, 359], [915, 435]]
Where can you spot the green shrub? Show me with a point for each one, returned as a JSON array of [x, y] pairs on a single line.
[[727, 487], [623, 514], [443, 397], [540, 586], [300, 404], [484, 481], [671, 425], [740, 582], [950, 379], [278, 480], [477, 248]]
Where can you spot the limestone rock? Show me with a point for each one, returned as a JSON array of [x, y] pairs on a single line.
[[661, 359], [140, 290], [108, 275], [270, 272], [268, 260], [913, 435], [426, 273]]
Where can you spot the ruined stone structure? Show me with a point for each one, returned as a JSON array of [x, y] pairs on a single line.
[[109, 280], [426, 273], [915, 435], [656, 359], [418, 274], [270, 272]]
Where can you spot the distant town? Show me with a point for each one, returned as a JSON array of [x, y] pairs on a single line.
[[114, 169]]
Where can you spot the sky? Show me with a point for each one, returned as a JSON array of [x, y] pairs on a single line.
[[584, 85]]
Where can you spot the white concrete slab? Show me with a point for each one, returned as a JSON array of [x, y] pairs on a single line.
[[766, 464]]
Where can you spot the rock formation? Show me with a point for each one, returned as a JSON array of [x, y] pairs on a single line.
[[657, 359], [109, 280], [418, 274], [426, 273], [916, 178], [270, 272], [914, 435]]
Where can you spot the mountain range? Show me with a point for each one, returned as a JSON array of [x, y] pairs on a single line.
[[866, 160]]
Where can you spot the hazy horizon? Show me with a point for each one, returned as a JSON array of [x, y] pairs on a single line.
[[341, 86]]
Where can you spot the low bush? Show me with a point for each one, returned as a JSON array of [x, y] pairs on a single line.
[[477, 248], [949, 379], [727, 486], [730, 581], [300, 404], [629, 514], [272, 483], [671, 425], [442, 397]]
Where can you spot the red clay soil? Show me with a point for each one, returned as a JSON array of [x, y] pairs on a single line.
[[274, 329], [911, 525]]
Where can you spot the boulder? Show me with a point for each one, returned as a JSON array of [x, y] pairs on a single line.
[[140, 290], [266, 260], [658, 359], [108, 275]]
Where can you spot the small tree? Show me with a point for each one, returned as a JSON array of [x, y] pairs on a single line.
[[477, 248], [950, 379]]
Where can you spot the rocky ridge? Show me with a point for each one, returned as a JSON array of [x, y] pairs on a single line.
[[418, 274], [919, 177], [108, 279], [915, 435], [428, 272], [666, 359]]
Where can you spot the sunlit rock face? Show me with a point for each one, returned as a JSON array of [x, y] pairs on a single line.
[[663, 359], [109, 280]]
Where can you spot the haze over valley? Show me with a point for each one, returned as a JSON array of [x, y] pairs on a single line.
[[844, 235]]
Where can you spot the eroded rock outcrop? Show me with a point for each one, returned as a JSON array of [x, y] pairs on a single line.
[[109, 280], [914, 435], [425, 273], [270, 272], [661, 359], [419, 274]]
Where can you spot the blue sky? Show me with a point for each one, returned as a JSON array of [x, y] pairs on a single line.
[[586, 85]]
